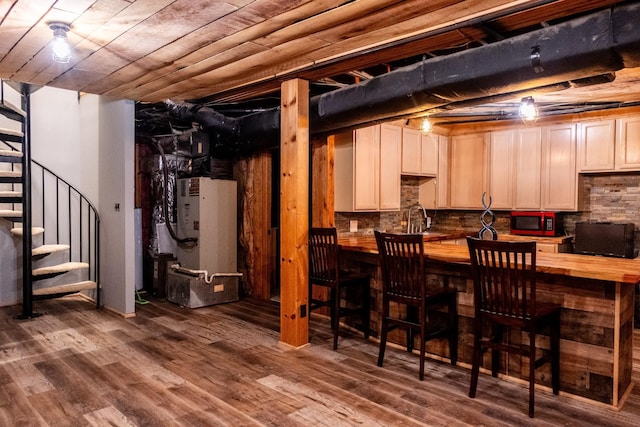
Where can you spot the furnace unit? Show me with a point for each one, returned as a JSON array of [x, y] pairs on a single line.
[[206, 211]]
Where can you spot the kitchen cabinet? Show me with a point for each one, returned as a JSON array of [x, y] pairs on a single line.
[[419, 153], [390, 140], [501, 163], [628, 144], [429, 153], [411, 151], [367, 169], [528, 168], [434, 192], [467, 170], [514, 168], [596, 146], [559, 177]]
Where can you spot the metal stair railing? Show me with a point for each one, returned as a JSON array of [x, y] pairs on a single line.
[[72, 215]]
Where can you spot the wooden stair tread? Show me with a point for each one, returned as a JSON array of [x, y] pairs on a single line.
[[48, 249], [6, 105], [11, 134], [11, 153], [18, 232], [64, 289], [60, 268], [9, 213], [10, 193], [11, 174]]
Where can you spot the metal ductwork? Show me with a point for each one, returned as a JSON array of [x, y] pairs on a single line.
[[593, 45]]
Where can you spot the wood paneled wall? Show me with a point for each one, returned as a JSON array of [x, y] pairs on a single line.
[[255, 251]]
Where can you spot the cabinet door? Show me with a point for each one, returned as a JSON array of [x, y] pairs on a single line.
[[628, 144], [596, 144], [429, 154], [501, 155], [366, 168], [528, 165], [442, 181], [559, 179], [411, 148], [467, 170], [390, 141]]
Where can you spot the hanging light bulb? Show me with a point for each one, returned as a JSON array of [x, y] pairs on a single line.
[[425, 127], [528, 110], [61, 48]]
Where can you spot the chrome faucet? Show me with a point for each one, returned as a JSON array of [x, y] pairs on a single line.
[[414, 228]]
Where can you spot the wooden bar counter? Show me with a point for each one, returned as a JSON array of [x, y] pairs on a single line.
[[597, 296]]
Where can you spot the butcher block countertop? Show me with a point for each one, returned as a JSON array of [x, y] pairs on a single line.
[[582, 266]]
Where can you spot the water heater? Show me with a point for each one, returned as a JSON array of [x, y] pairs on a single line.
[[206, 210]]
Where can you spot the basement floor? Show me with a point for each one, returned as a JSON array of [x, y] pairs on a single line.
[[222, 365]]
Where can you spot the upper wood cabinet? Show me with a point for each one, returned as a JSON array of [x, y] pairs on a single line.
[[628, 143], [559, 176], [434, 192], [467, 170], [367, 169], [501, 168], [390, 146], [527, 169], [430, 144], [596, 143], [411, 151], [514, 168], [419, 153]]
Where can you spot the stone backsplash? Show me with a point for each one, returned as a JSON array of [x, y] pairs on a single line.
[[613, 197]]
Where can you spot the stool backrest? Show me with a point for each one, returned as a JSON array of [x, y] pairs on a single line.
[[402, 265], [323, 256], [504, 279]]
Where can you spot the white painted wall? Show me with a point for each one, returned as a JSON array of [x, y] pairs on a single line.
[[88, 141], [116, 187]]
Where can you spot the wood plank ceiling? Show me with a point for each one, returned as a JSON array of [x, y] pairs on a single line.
[[234, 54]]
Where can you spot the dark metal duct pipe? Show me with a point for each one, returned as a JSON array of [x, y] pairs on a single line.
[[593, 45]]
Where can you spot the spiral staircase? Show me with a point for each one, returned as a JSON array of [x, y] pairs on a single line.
[[60, 255]]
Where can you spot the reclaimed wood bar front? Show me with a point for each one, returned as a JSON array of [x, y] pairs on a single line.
[[597, 296]]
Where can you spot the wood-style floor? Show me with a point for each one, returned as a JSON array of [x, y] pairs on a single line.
[[223, 366]]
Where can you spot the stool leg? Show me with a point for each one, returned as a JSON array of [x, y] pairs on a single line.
[[477, 356], [555, 353], [453, 330], [366, 308], [335, 313], [532, 368]]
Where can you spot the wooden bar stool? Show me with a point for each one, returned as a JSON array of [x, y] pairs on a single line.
[[504, 292], [324, 270], [404, 281]]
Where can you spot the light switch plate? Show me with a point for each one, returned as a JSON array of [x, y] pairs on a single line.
[[353, 225]]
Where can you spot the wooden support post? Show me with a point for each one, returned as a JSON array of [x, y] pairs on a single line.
[[294, 213], [322, 190], [322, 196]]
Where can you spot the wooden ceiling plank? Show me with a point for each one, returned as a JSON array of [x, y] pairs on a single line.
[[24, 15], [347, 13], [233, 39], [533, 17], [234, 70], [442, 17], [83, 37], [99, 36], [32, 54]]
